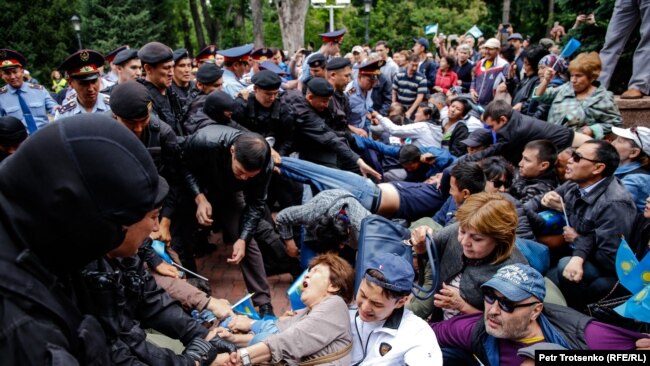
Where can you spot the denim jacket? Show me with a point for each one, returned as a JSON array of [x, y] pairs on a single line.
[[636, 179]]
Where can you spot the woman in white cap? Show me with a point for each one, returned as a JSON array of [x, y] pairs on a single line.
[[633, 146]]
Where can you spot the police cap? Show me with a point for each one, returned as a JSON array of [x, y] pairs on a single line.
[[110, 57], [206, 54], [267, 80], [180, 54], [337, 63], [269, 65], [241, 53], [370, 68], [209, 73], [155, 53], [10, 59], [12, 131], [262, 54], [83, 65], [335, 36], [317, 60], [130, 100], [320, 87], [125, 55]]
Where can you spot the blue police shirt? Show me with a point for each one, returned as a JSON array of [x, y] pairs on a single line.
[[72, 107], [231, 85], [359, 104], [38, 100]]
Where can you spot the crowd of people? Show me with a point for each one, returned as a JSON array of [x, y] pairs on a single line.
[[489, 146]]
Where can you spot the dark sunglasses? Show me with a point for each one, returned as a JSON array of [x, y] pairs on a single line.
[[577, 157], [634, 131], [504, 304], [499, 183]]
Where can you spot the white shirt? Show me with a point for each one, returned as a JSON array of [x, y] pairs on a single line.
[[400, 340], [422, 134]]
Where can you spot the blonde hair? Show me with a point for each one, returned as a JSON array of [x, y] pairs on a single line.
[[588, 64], [493, 215]]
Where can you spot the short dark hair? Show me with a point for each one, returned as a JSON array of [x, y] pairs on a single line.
[[606, 153], [382, 43], [390, 294], [546, 151], [252, 151], [534, 54], [469, 175], [498, 108], [409, 154], [329, 233], [466, 106], [426, 109], [508, 52], [413, 58], [496, 166], [451, 61]]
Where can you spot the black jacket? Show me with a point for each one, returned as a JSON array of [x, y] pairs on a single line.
[[520, 130], [382, 95], [208, 159], [339, 109], [316, 141], [276, 121], [168, 107], [525, 189], [600, 218], [639, 239]]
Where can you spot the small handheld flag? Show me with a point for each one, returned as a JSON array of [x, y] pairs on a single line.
[[245, 307], [635, 277], [474, 31], [159, 247], [294, 292], [431, 29], [569, 49]]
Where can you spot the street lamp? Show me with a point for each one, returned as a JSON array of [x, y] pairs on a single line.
[[76, 24], [367, 4], [339, 4]]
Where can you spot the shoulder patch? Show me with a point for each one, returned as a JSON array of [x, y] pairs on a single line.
[[68, 106], [35, 86], [72, 96], [3, 90], [107, 98], [351, 91]]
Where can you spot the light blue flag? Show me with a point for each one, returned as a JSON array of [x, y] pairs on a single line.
[[294, 292], [474, 31], [431, 29], [159, 247], [570, 48], [635, 277], [245, 307], [637, 307]]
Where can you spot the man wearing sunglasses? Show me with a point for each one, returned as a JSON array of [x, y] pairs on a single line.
[[599, 210], [515, 316]]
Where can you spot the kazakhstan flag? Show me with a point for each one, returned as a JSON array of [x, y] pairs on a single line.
[[635, 276], [245, 307]]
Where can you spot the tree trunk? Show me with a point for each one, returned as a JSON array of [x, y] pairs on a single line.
[[258, 23], [551, 15], [198, 25], [185, 26], [505, 17], [292, 14], [239, 22], [210, 25]]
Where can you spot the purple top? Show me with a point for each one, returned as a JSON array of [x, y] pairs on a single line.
[[457, 332]]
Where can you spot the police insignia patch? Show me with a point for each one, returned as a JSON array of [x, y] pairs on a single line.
[[84, 56], [384, 348]]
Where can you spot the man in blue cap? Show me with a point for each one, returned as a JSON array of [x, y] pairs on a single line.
[[329, 48], [235, 64], [30, 103], [84, 68], [426, 67], [383, 331]]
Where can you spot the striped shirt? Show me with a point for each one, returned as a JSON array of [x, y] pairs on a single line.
[[408, 88]]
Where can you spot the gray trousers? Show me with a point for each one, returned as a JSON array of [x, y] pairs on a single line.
[[627, 14]]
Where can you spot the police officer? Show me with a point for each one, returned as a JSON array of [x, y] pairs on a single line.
[[257, 56], [12, 134], [235, 64], [314, 139], [30, 103], [329, 48], [207, 54], [158, 62], [182, 80], [316, 70], [83, 68], [111, 78], [209, 78], [339, 70], [359, 93], [128, 67]]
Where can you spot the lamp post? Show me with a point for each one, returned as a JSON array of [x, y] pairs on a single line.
[[367, 4], [76, 24], [339, 4]]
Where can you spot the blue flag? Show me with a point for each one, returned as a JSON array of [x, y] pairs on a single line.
[[431, 29], [475, 32], [635, 277], [245, 307], [294, 292], [159, 247], [570, 48]]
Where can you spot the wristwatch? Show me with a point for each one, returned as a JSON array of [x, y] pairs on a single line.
[[245, 358]]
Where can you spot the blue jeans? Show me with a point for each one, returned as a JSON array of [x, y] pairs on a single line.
[[323, 178], [261, 329]]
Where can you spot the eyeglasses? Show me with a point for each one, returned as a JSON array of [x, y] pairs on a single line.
[[504, 304], [576, 156], [499, 183], [634, 131]]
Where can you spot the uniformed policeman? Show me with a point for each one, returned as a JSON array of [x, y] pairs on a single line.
[[12, 134], [257, 56], [30, 103], [111, 77], [208, 79], [339, 70], [207, 54], [329, 48], [359, 92], [182, 79], [235, 63], [316, 65], [83, 68], [158, 62], [128, 67]]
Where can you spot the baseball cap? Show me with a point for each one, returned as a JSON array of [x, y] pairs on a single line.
[[423, 41], [541, 346], [492, 43], [398, 273], [358, 49], [640, 136], [516, 36], [479, 137], [518, 282]]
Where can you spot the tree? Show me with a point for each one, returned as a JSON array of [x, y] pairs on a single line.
[[258, 23], [198, 24], [292, 15]]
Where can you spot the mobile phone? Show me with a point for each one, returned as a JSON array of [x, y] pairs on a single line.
[[556, 24]]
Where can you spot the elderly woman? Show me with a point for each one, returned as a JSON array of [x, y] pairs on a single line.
[[583, 104], [471, 251], [633, 147], [318, 334]]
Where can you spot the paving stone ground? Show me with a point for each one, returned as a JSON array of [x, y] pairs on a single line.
[[227, 282]]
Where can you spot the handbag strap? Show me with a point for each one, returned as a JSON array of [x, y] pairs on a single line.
[[329, 357], [609, 293]]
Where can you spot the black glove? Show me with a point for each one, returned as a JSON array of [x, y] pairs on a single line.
[[223, 345], [201, 351]]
